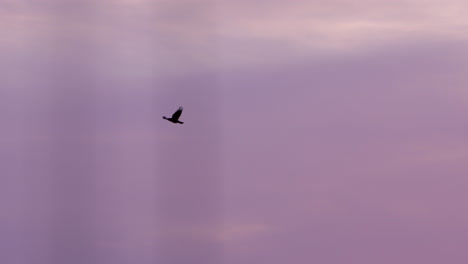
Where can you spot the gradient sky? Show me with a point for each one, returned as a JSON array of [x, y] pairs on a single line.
[[319, 131]]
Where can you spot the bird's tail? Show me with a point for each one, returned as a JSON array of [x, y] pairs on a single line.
[[180, 122]]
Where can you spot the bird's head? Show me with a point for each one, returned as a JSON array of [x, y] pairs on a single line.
[[164, 117]]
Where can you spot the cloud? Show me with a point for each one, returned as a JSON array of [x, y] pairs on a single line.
[[341, 26], [144, 38]]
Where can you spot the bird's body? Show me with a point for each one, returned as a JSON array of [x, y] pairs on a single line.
[[175, 117]]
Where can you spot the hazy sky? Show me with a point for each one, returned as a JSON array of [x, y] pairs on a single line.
[[326, 131]]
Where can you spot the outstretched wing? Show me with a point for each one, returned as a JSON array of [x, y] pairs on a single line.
[[177, 113]]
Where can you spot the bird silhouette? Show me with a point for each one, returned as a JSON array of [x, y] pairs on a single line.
[[175, 117]]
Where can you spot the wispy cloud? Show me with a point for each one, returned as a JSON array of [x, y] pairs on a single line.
[[312, 28], [183, 36]]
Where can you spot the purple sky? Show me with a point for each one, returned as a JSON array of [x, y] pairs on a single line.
[[325, 131]]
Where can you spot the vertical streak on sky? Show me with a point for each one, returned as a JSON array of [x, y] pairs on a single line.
[[72, 130], [189, 188]]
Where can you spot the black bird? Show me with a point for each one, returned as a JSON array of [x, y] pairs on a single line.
[[175, 116]]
